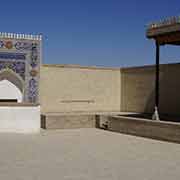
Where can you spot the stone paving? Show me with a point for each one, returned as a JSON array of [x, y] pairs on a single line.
[[86, 154]]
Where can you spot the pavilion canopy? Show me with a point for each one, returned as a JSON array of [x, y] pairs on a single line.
[[165, 32]]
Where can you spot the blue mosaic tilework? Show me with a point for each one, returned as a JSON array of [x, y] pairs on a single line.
[[23, 58], [17, 67], [33, 90], [23, 46], [1, 44], [34, 56], [16, 56], [18, 45]]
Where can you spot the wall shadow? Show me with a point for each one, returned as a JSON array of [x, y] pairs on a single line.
[[138, 91], [169, 94], [43, 121]]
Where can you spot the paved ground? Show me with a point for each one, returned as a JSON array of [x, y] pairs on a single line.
[[86, 154]]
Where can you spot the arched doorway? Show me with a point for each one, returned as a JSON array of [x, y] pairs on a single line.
[[11, 87], [9, 92]]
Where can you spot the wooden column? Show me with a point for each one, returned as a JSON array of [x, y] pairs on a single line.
[[157, 76]]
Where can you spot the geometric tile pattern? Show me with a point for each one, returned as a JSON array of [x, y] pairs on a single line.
[[17, 67]]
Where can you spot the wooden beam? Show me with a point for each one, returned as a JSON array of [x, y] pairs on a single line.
[[171, 38], [154, 32]]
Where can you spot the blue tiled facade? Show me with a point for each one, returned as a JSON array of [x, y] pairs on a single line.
[[23, 56]]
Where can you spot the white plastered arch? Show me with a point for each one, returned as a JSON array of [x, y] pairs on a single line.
[[11, 85]]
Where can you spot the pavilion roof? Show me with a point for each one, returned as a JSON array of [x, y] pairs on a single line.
[[166, 31]]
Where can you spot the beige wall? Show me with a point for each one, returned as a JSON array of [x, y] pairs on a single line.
[[66, 88], [138, 89], [72, 88]]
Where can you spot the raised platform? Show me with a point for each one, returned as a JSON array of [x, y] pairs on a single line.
[[71, 120], [161, 130], [60, 121]]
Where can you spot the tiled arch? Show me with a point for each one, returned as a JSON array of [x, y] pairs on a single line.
[[14, 78], [20, 57]]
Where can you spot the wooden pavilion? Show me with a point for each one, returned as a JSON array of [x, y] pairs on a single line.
[[166, 32]]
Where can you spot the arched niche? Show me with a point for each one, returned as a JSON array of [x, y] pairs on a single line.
[[11, 86]]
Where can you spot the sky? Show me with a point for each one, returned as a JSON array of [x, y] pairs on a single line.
[[92, 32]]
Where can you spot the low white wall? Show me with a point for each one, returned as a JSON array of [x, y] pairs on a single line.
[[23, 119]]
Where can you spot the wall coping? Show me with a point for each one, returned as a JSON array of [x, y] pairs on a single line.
[[77, 66], [144, 120], [148, 66]]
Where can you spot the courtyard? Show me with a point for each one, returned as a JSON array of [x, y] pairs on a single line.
[[87, 154]]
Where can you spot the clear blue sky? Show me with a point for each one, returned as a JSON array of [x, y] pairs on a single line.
[[91, 32]]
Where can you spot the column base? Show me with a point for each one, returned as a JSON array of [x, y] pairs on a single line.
[[155, 116]]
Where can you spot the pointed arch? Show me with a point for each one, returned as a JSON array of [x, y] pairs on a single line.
[[14, 78], [9, 92]]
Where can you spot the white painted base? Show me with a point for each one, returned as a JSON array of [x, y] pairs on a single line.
[[21, 119]]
